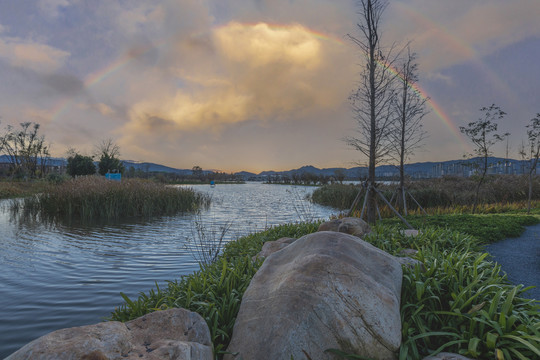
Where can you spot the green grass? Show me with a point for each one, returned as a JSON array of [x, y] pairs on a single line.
[[96, 198], [487, 228], [461, 303]]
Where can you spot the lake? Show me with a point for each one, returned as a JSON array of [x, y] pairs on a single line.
[[58, 276]]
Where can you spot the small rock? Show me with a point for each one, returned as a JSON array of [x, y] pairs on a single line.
[[349, 225]]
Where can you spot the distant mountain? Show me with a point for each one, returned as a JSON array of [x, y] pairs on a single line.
[[415, 170]]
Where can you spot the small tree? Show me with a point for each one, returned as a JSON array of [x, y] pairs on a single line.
[[109, 154], [483, 134], [371, 101], [533, 153], [78, 164], [25, 148], [410, 109]]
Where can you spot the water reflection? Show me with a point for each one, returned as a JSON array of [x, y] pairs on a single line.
[[56, 275]]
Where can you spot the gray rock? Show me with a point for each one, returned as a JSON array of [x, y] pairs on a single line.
[[271, 247], [326, 290], [174, 334], [349, 225], [410, 233]]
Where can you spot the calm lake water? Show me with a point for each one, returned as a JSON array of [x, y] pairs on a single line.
[[58, 276]]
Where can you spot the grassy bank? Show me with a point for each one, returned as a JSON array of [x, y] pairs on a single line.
[[96, 198], [18, 189], [444, 195], [461, 303]]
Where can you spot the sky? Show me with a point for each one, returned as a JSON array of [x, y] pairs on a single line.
[[255, 84]]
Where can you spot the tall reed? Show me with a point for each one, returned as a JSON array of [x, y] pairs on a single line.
[[96, 198]]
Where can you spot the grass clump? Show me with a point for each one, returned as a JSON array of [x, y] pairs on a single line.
[[96, 198]]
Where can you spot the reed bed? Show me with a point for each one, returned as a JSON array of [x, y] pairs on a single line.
[[443, 195], [460, 303], [96, 198]]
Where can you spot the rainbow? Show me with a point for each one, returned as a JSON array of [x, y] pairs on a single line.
[[424, 95], [100, 75], [460, 47]]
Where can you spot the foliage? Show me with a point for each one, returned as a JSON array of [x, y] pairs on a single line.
[[483, 134], [78, 165], [96, 198], [26, 149]]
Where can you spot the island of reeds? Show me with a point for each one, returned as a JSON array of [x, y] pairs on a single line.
[[89, 198]]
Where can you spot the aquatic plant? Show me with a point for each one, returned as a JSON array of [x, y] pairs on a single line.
[[96, 198]]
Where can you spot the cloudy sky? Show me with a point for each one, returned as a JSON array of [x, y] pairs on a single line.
[[254, 84]]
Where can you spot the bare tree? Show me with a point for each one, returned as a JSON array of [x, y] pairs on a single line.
[[108, 153], [533, 153], [410, 109], [482, 133], [371, 101], [25, 148]]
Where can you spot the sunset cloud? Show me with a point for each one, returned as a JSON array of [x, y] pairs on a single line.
[[260, 73], [31, 55]]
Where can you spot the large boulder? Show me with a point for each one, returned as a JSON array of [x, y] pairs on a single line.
[[326, 290], [175, 334], [348, 225]]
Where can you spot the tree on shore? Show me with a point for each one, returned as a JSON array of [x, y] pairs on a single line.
[[78, 164], [483, 134], [371, 101], [532, 153], [410, 109], [26, 149], [109, 161]]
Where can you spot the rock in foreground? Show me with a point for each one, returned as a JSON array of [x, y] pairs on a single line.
[[175, 334], [326, 290]]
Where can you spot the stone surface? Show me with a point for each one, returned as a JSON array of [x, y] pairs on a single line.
[[174, 334], [410, 233], [446, 356], [326, 290], [271, 247], [349, 225]]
